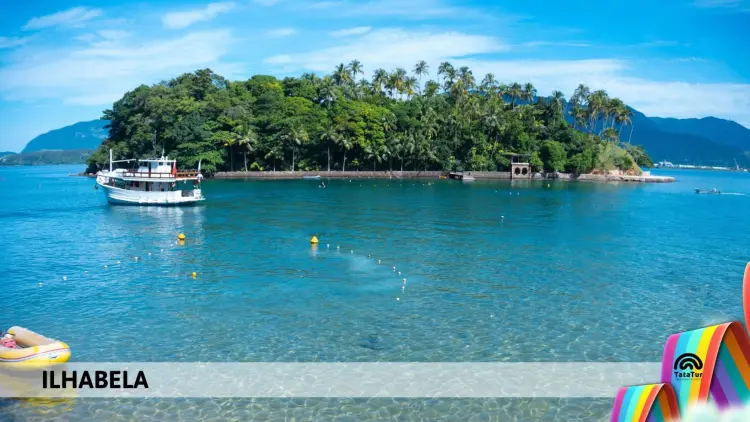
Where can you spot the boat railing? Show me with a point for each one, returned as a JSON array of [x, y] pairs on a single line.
[[155, 175]]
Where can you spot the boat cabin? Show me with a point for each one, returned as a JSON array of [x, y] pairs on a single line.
[[154, 175], [150, 181]]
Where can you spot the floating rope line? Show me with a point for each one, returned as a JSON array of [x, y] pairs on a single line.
[[369, 256], [709, 365]]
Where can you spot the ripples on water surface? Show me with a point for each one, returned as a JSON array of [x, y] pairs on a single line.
[[573, 272]]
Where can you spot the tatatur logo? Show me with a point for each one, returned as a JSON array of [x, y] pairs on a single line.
[[688, 367]]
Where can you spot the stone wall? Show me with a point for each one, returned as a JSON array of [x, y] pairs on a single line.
[[478, 175], [331, 175]]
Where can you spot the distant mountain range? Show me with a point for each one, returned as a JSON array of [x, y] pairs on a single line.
[[706, 141], [720, 131], [81, 135], [38, 158], [68, 145]]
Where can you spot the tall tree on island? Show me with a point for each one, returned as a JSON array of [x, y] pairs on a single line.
[[421, 69]]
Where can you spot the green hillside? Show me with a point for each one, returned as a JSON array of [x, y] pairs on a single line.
[[81, 135], [720, 131], [38, 158]]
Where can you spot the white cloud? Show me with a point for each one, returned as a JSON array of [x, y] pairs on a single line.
[[359, 30], [70, 17], [555, 44], [390, 48], [266, 2], [654, 98], [412, 9], [178, 20], [281, 32], [101, 73], [658, 43], [280, 59], [114, 34], [325, 4], [10, 42]]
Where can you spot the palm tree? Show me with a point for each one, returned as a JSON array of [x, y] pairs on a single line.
[[396, 148], [579, 114], [610, 134], [430, 124], [431, 88], [294, 135], [615, 107], [444, 70], [410, 148], [398, 80], [558, 99], [379, 79], [421, 69], [312, 77], [488, 82], [275, 147], [330, 134], [409, 84], [493, 121], [248, 140], [467, 77], [376, 153], [391, 85], [625, 116], [596, 104], [355, 67], [515, 91], [529, 92], [328, 92], [580, 95], [341, 75], [346, 145]]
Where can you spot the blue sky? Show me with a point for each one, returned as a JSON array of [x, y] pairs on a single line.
[[64, 61]]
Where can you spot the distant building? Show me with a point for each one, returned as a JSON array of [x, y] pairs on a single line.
[[664, 164]]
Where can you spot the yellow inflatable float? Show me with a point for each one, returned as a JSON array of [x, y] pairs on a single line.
[[32, 351]]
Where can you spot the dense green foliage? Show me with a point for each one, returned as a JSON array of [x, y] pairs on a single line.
[[82, 135], [39, 158], [340, 122]]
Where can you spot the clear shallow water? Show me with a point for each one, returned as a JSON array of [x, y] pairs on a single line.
[[573, 272]]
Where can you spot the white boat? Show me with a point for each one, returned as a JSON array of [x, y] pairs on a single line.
[[151, 182]]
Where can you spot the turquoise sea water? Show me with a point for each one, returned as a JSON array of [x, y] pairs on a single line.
[[496, 271]]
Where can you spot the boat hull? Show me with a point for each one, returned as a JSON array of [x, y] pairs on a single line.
[[117, 196], [36, 351], [707, 192]]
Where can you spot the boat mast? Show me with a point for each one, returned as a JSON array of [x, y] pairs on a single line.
[[110, 160]]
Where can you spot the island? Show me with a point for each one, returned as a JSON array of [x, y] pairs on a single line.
[[343, 123]]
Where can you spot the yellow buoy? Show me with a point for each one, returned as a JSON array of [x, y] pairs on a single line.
[[314, 240], [195, 274], [181, 236]]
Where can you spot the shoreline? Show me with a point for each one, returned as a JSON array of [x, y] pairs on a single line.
[[478, 175]]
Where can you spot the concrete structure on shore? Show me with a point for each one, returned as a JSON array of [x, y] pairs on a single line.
[[478, 175], [520, 167]]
